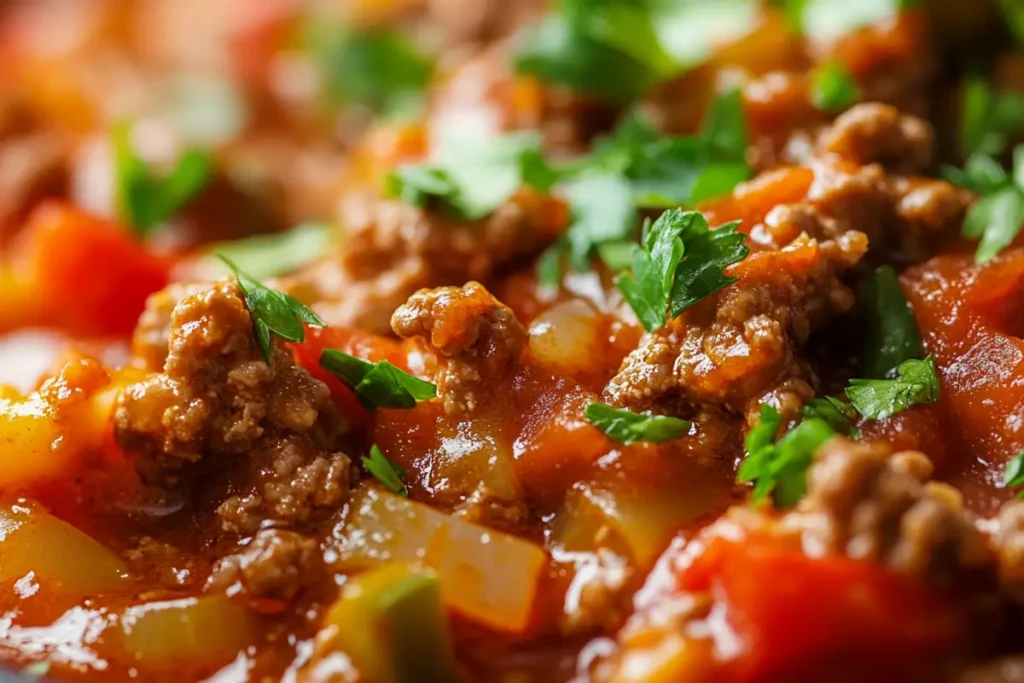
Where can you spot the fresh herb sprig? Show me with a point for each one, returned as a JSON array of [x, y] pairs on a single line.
[[892, 334], [627, 427], [916, 382], [473, 177], [272, 311], [389, 474], [681, 260], [1013, 475], [836, 413], [618, 49], [379, 68], [780, 467], [144, 200], [377, 385], [638, 168], [833, 88]]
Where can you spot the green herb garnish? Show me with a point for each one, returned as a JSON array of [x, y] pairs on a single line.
[[627, 427], [618, 49], [827, 20], [273, 311], [780, 468], [838, 414], [989, 118], [36, 669], [145, 201], [916, 382], [1013, 475], [833, 89], [265, 256], [377, 385], [892, 335], [378, 68], [638, 167], [388, 473], [473, 177], [680, 262]]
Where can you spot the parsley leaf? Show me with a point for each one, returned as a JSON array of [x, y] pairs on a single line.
[[827, 20], [916, 382], [473, 177], [838, 414], [627, 427], [377, 385], [388, 473], [780, 468], [681, 262], [268, 255], [272, 311], [1013, 13], [1013, 475], [619, 49], [144, 201], [997, 220], [892, 335], [602, 211], [379, 68], [666, 172], [989, 118], [833, 88]]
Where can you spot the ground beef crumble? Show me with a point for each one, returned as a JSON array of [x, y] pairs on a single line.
[[275, 564], [869, 505], [741, 347], [394, 249], [218, 406], [475, 337]]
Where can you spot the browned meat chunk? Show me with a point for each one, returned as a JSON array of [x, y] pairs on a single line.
[[395, 249], [275, 564], [869, 505], [740, 348], [878, 133], [475, 337], [218, 401]]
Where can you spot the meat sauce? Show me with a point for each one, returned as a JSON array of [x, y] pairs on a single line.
[[562, 373]]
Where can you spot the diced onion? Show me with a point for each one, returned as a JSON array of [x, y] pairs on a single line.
[[485, 575]]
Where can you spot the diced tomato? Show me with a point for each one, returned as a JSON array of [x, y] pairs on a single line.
[[793, 618], [969, 318], [79, 273], [353, 342], [752, 201]]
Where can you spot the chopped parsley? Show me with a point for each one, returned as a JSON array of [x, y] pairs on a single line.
[[627, 427], [473, 177], [892, 335], [680, 262], [618, 49], [833, 89], [273, 311], [780, 467], [1013, 475], [388, 473], [377, 385], [637, 167], [916, 382], [827, 20], [1013, 13], [379, 68], [268, 255], [145, 201], [836, 413], [989, 118]]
